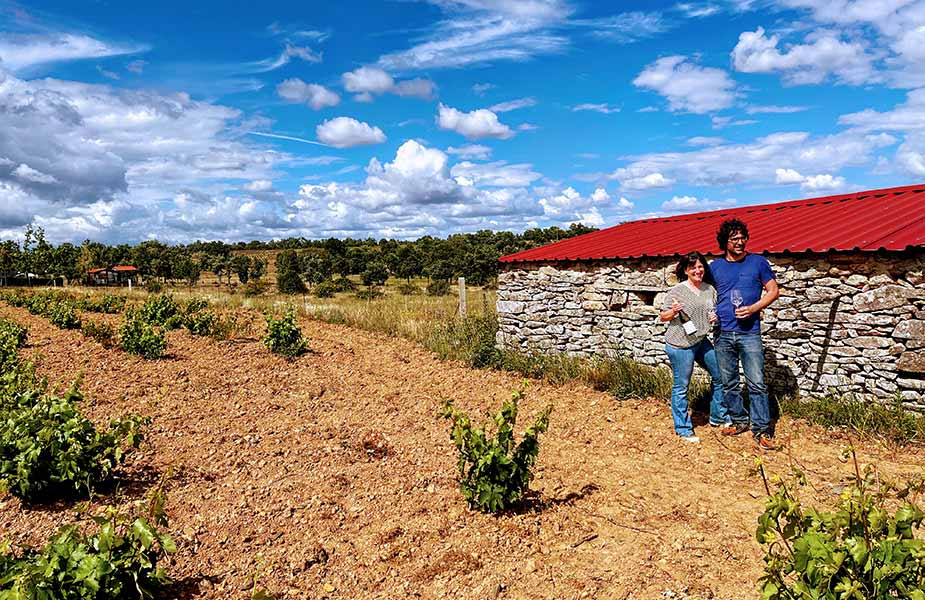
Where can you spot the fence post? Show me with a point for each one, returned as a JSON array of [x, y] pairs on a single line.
[[462, 297]]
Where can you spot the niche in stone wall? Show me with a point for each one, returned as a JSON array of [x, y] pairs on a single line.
[[647, 297]]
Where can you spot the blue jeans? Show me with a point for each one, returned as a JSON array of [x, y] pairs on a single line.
[[682, 366], [731, 347]]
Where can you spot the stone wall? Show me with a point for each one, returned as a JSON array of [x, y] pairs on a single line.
[[848, 322]]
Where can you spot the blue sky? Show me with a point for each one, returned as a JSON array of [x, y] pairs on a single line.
[[122, 121]]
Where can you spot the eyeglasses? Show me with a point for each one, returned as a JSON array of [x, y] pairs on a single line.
[[738, 238]]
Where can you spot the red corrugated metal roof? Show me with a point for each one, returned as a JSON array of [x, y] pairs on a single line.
[[124, 268], [889, 219]]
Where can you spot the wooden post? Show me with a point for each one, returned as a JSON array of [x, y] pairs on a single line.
[[462, 297]]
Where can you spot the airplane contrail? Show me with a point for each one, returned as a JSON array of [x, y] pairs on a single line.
[[288, 137]]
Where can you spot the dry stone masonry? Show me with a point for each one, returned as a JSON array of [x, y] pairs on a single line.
[[848, 322]]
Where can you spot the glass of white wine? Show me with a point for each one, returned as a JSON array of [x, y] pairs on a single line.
[[736, 297]]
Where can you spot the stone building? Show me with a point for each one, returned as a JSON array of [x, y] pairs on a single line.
[[850, 319]]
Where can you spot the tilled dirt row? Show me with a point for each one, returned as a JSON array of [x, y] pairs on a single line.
[[333, 476]]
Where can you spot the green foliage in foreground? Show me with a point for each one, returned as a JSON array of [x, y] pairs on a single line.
[[102, 333], [888, 421], [861, 550], [48, 448], [284, 336], [63, 316], [494, 474], [118, 561], [12, 334], [161, 310], [137, 336]]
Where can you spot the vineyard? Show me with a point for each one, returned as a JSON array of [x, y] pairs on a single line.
[[292, 458]]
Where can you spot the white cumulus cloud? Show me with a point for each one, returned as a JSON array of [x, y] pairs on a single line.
[[346, 132], [687, 86], [787, 176], [367, 82], [812, 62], [475, 125], [316, 96]]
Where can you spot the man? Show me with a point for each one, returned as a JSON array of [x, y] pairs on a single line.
[[745, 285]]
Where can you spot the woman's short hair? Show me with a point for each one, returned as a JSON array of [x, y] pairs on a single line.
[[727, 229], [689, 259]]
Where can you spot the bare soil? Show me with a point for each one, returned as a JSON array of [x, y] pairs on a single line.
[[332, 476]]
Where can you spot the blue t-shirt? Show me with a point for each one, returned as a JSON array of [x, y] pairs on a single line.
[[748, 276]]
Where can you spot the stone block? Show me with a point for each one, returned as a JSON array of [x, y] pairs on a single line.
[[912, 329], [869, 341], [593, 305], [911, 384], [856, 280], [911, 362], [881, 298], [788, 314], [510, 306]]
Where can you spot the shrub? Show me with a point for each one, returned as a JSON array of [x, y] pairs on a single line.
[[494, 475], [138, 337], [201, 323], [471, 340], [14, 332], [119, 560], [284, 336], [860, 550], [153, 286], [110, 304], [408, 289], [438, 287], [369, 294], [344, 284], [63, 316], [325, 289], [161, 310], [48, 447], [98, 331], [254, 288]]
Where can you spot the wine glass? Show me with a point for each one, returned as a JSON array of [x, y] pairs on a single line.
[[736, 298]]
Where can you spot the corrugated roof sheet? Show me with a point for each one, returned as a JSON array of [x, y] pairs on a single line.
[[888, 219]]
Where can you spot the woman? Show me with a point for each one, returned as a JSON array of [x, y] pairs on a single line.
[[692, 300]]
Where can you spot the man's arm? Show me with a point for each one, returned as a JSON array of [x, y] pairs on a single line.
[[770, 294]]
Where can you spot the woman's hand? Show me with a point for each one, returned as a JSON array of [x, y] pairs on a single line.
[[676, 307], [671, 312]]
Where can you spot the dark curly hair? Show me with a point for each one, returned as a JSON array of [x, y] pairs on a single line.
[[689, 259], [729, 227]]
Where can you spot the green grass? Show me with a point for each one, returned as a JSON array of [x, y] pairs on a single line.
[[867, 418]]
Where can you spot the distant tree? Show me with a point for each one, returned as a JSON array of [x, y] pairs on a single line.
[[376, 273], [288, 280], [188, 269], [316, 265], [9, 259], [258, 268], [406, 261], [241, 265], [64, 259]]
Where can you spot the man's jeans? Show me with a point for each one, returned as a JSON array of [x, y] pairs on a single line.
[[730, 348], [682, 365]]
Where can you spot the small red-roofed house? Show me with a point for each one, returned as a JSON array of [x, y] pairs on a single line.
[[117, 275]]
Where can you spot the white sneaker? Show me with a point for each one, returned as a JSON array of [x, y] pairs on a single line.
[[693, 439]]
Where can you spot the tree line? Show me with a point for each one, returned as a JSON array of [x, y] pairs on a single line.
[[470, 255]]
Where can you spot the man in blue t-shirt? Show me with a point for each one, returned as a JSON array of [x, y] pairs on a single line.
[[745, 284]]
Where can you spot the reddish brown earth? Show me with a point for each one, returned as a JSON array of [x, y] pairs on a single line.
[[333, 477]]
